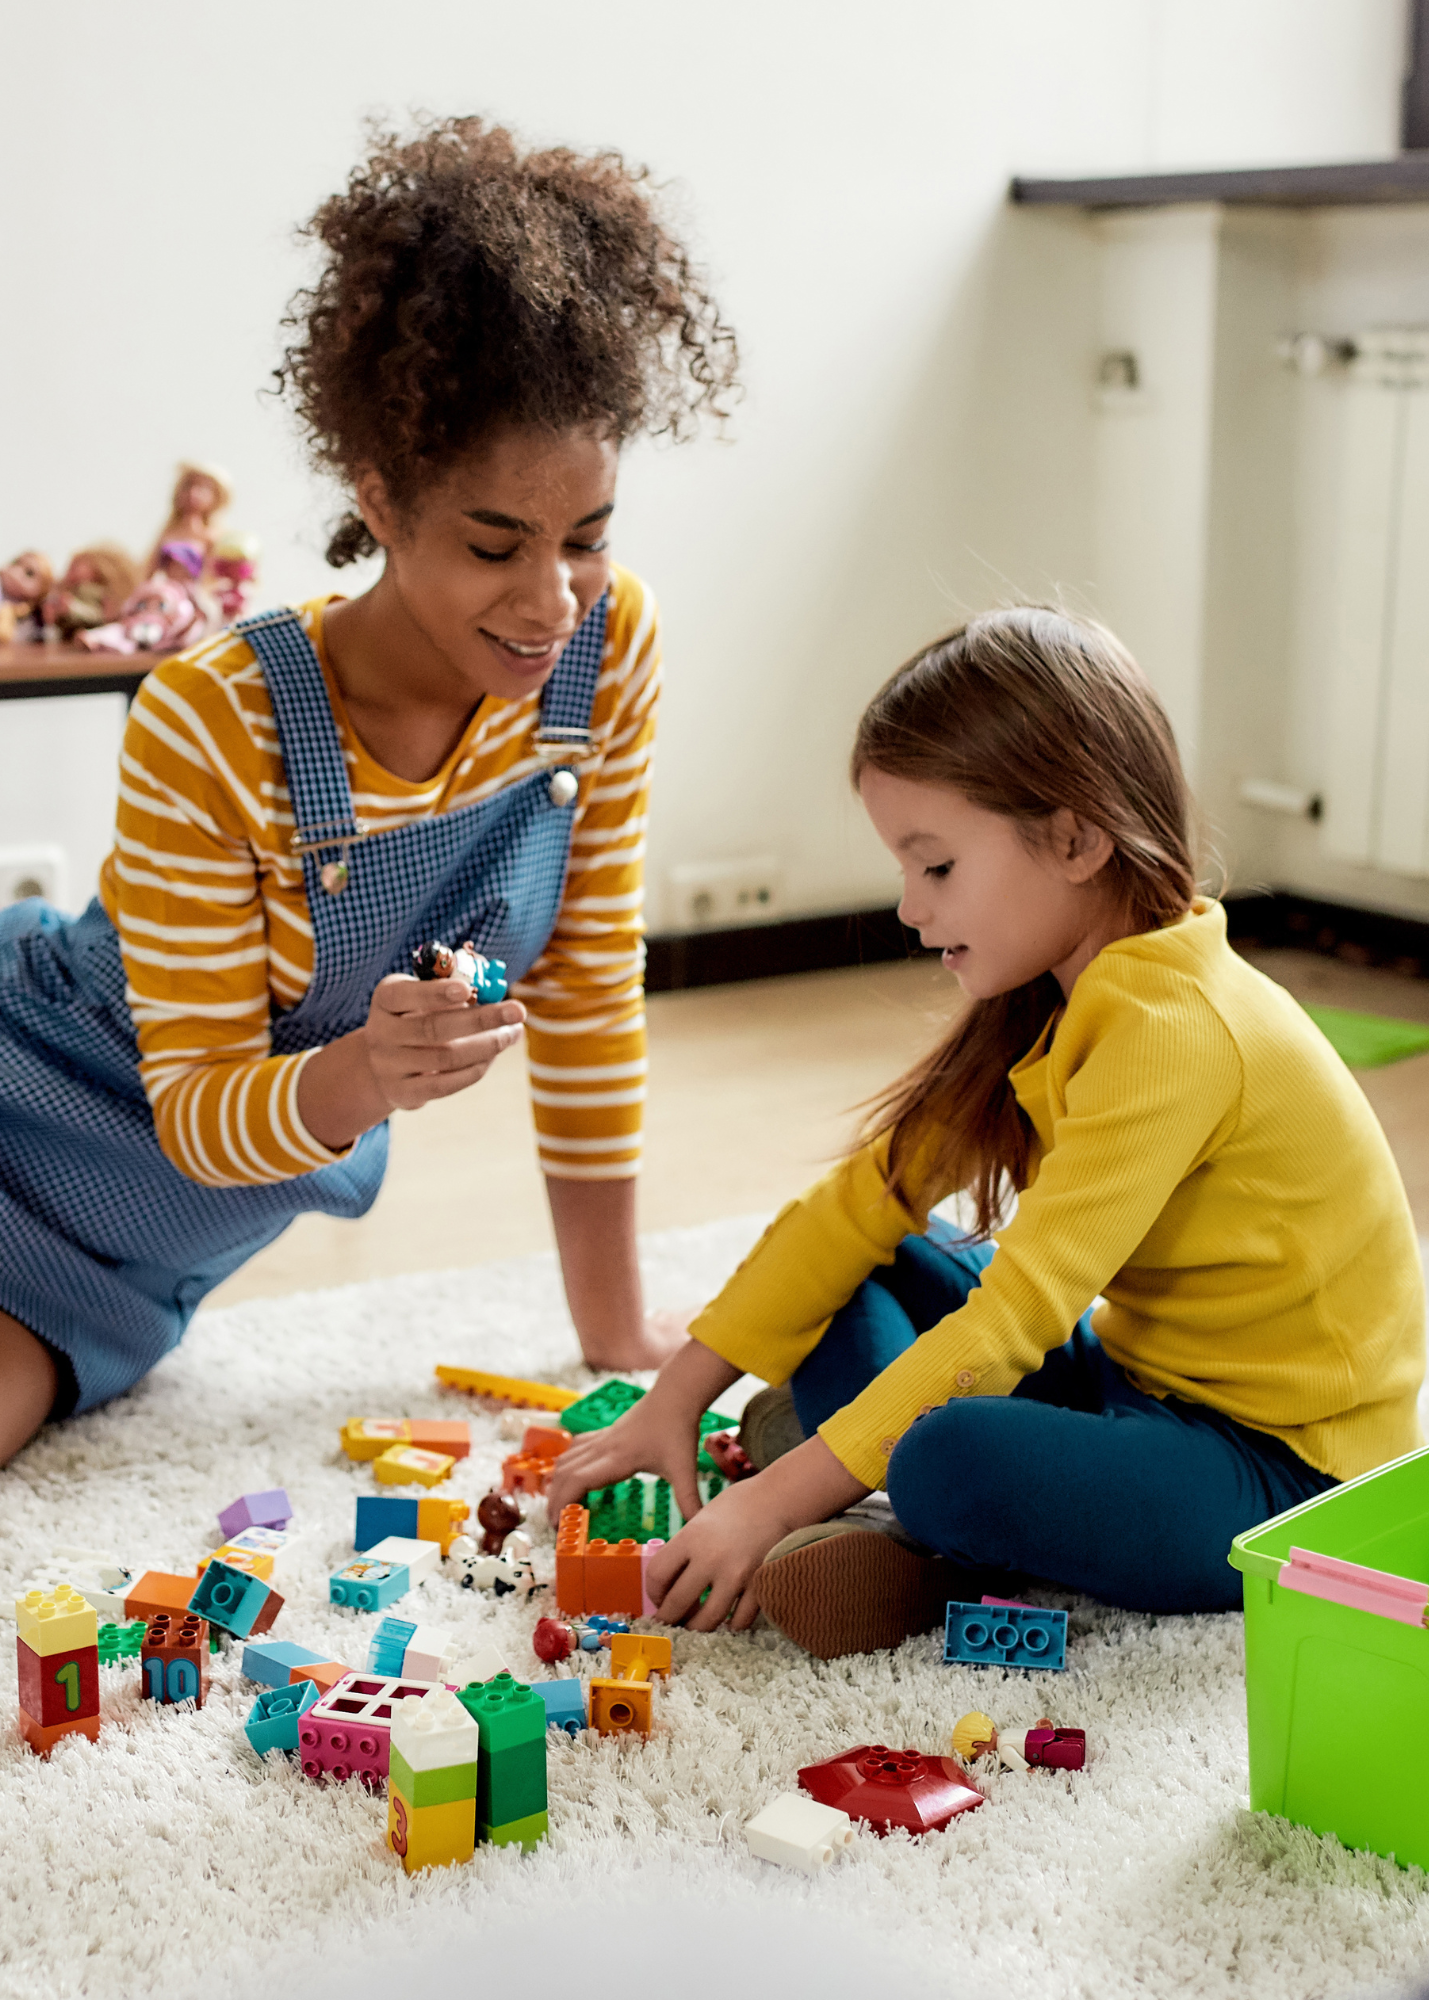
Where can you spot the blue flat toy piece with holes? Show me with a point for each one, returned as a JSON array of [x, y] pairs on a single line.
[[1005, 1635], [565, 1704]]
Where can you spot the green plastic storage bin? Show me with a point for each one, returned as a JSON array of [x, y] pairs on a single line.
[[1337, 1696]]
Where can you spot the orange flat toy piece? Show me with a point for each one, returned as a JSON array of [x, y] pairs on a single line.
[[508, 1389], [157, 1591]]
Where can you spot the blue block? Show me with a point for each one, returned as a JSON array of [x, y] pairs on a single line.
[[378, 1517], [230, 1598], [271, 1660], [273, 1723], [388, 1646], [367, 1585], [1005, 1635], [565, 1704]]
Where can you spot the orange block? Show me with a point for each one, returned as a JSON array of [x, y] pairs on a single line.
[[639, 1656], [612, 1578], [326, 1673], [525, 1472], [619, 1708], [42, 1741], [544, 1441], [157, 1591], [571, 1532], [453, 1439]]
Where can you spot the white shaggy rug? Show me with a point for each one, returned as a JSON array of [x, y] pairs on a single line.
[[166, 1857]]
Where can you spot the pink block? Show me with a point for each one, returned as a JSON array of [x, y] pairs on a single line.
[[1017, 1603], [1398, 1597], [647, 1608], [348, 1733]]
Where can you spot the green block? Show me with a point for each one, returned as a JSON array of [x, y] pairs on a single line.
[[121, 1642], [598, 1410], [641, 1509], [511, 1784], [506, 1711], [431, 1788], [524, 1832]]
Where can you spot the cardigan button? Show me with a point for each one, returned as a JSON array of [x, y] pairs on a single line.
[[887, 1447], [562, 788], [965, 1378]]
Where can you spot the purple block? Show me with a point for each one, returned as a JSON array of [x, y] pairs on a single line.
[[257, 1510]]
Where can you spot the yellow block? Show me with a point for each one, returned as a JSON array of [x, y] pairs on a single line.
[[369, 1437], [408, 1464], [430, 1836], [253, 1562], [509, 1389], [56, 1621]]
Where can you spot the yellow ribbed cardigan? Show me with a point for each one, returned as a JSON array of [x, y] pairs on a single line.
[[1205, 1162]]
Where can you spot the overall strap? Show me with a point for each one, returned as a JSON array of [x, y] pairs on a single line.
[[566, 700], [313, 760]]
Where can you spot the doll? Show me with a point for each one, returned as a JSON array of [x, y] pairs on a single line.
[[201, 492], [92, 591], [183, 564], [159, 618], [233, 566], [977, 1735], [24, 585]]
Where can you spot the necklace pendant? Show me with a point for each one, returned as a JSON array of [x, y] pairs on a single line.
[[334, 877]]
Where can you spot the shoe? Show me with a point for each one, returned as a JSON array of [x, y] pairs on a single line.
[[770, 1426], [857, 1583]]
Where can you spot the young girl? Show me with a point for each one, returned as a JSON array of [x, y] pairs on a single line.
[[1183, 1142], [462, 752]]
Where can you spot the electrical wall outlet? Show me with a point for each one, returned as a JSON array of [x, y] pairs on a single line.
[[721, 895], [37, 870]]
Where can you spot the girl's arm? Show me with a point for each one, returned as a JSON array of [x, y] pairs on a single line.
[[661, 1434]]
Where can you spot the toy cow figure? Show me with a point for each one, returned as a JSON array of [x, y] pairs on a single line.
[[485, 976], [508, 1572]]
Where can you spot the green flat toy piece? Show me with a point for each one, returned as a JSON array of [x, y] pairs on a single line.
[[600, 1409], [121, 1642], [1368, 1041], [642, 1509]]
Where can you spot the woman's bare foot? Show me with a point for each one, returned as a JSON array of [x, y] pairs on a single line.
[[659, 1335], [28, 1381]]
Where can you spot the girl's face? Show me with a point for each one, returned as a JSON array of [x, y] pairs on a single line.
[[499, 562], [1001, 910]]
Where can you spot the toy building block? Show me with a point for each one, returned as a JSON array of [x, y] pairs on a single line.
[[121, 1642], [648, 1607], [599, 1410], [545, 1441], [420, 1559], [324, 1674], [271, 1661], [58, 1687], [620, 1702], [1005, 1635], [42, 1739], [613, 1578], [159, 1590], [272, 1509], [453, 1437], [347, 1731], [380, 1514], [273, 1720], [571, 1539], [368, 1584], [799, 1833], [258, 1551], [507, 1389], [523, 1473], [887, 1788], [56, 1621], [174, 1666], [438, 1836], [511, 1785], [387, 1648], [642, 1508], [514, 1424], [238, 1604], [99, 1578], [57, 1656], [565, 1704], [368, 1437], [400, 1647], [436, 1749], [408, 1465]]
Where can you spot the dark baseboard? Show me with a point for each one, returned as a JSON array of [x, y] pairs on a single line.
[[1338, 930], [677, 959]]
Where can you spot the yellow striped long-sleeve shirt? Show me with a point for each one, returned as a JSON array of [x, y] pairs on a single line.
[[216, 935]]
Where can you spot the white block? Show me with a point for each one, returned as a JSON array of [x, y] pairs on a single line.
[[516, 1423], [101, 1580], [482, 1665], [421, 1558], [799, 1833], [434, 1731], [426, 1649]]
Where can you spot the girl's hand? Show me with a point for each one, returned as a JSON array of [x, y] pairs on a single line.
[[722, 1549], [652, 1436], [427, 1038]]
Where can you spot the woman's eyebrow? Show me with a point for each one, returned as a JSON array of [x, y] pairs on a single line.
[[487, 518]]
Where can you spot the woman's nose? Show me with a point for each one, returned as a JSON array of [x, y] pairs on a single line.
[[546, 594]]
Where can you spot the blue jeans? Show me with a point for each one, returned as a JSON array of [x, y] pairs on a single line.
[[1076, 1477]]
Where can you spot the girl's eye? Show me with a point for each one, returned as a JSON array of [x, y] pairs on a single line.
[[943, 868]]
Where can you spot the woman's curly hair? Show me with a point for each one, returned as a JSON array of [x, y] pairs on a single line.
[[466, 284]]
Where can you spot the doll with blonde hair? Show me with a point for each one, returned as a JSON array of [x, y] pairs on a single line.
[[200, 495]]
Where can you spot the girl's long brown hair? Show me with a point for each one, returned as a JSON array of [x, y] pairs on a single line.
[[1023, 711]]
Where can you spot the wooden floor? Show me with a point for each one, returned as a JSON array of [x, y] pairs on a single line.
[[752, 1092]]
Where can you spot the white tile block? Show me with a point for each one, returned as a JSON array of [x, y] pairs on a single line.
[[799, 1833]]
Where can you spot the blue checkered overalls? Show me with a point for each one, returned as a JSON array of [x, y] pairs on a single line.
[[105, 1247]]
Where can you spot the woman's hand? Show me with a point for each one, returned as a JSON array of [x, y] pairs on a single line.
[[720, 1551], [422, 1039]]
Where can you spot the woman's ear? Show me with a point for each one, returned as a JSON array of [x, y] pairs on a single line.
[[375, 506], [1079, 848]]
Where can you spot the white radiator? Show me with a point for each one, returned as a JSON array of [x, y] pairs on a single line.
[[1377, 795]]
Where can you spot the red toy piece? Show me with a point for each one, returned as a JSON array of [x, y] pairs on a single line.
[[1057, 1749], [553, 1640], [499, 1517], [729, 1455], [887, 1788]]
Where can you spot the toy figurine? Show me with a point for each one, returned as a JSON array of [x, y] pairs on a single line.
[[498, 1517], [201, 492], [24, 585], [485, 976], [159, 618], [555, 1639], [233, 566], [510, 1571], [92, 591], [729, 1455], [977, 1735]]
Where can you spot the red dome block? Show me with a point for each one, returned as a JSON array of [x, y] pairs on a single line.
[[886, 1788]]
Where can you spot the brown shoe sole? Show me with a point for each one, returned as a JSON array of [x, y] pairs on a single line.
[[853, 1594]]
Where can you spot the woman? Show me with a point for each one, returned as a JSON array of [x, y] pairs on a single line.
[[215, 1045]]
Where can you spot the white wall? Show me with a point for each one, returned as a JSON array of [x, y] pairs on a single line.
[[918, 436]]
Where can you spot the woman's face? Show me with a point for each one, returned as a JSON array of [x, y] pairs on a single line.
[[500, 561]]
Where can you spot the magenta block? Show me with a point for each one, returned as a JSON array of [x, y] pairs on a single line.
[[348, 1734]]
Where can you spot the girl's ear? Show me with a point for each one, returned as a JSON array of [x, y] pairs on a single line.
[[375, 506], [1079, 848]]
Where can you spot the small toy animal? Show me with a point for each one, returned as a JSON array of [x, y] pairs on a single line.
[[498, 1517]]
